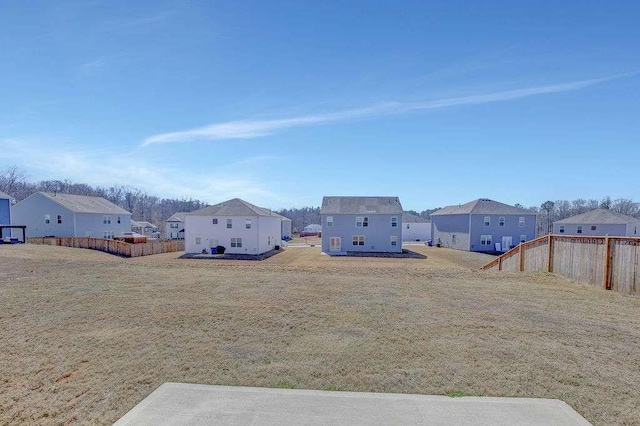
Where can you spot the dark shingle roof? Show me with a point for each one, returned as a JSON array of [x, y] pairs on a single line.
[[599, 217], [361, 205], [412, 218], [177, 217], [85, 204], [482, 206], [235, 207]]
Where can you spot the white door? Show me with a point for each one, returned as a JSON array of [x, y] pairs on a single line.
[[335, 244], [506, 243]]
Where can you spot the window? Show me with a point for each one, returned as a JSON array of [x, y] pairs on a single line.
[[329, 221], [523, 238], [501, 221], [394, 222], [453, 239], [236, 242], [593, 227], [47, 219], [579, 231], [561, 230], [358, 240], [59, 218], [107, 235], [521, 221], [394, 240], [268, 241], [487, 220], [118, 219], [106, 219], [229, 224], [174, 225], [407, 226], [247, 223], [485, 240], [198, 240], [362, 221], [214, 221]]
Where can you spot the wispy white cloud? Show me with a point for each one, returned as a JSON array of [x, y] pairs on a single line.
[[109, 167], [94, 64], [142, 21], [249, 129]]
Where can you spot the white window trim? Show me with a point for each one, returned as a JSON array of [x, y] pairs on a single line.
[[501, 221], [329, 222], [394, 240], [521, 221], [394, 221], [487, 221]]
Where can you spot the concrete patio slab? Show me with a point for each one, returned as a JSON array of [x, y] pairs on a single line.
[[191, 404]]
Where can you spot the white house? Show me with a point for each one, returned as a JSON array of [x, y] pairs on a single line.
[[66, 215], [240, 227], [144, 228], [174, 226], [415, 228]]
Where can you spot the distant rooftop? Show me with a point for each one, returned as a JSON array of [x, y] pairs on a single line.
[[85, 203], [177, 217], [361, 205], [234, 207], [482, 206], [4, 196], [412, 218], [599, 217]]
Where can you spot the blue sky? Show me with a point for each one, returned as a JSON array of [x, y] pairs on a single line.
[[282, 102]]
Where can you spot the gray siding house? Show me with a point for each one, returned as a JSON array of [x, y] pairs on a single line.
[[482, 225], [361, 224], [65, 215], [599, 222], [285, 225], [174, 226], [5, 213]]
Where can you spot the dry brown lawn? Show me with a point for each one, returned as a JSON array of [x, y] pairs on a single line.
[[85, 335]]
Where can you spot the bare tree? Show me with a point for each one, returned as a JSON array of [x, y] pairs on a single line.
[[625, 206], [10, 179]]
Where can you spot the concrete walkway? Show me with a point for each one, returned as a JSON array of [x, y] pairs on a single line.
[[188, 404]]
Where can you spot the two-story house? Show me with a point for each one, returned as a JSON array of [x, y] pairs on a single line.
[[361, 224], [482, 225]]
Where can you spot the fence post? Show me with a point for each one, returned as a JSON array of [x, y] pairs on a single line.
[[500, 263], [521, 257], [550, 240], [607, 264]]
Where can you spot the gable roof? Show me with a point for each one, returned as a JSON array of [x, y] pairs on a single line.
[[282, 217], [482, 206], [4, 196], [85, 204], [412, 218], [599, 217], [234, 207], [142, 224], [361, 205], [177, 217]]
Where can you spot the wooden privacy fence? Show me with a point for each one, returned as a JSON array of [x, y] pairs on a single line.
[[112, 246], [612, 263]]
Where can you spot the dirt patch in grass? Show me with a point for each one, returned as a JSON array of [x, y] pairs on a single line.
[[86, 336]]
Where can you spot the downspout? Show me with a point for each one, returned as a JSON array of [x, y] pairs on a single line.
[[470, 232]]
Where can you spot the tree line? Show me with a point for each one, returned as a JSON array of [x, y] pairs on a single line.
[[156, 210]]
